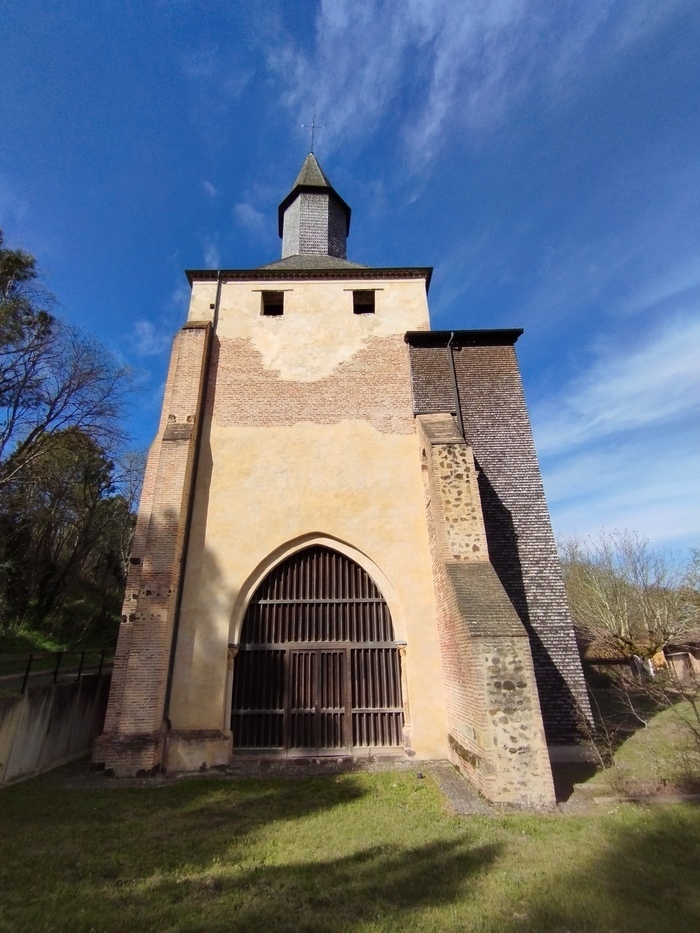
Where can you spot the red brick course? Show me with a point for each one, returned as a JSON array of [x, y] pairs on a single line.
[[134, 727], [373, 385]]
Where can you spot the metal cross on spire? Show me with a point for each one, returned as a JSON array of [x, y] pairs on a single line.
[[313, 126]]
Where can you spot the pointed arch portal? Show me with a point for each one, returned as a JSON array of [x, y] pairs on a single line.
[[318, 670]]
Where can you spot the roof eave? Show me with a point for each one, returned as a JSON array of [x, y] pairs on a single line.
[[463, 338], [276, 275]]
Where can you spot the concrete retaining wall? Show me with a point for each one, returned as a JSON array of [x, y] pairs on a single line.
[[49, 725]]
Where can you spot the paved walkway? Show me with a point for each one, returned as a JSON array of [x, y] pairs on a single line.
[[461, 797]]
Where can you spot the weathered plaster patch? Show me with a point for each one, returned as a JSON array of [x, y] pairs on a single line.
[[318, 330]]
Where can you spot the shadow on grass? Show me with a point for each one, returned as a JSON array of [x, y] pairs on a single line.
[[379, 883], [618, 714], [222, 855], [567, 775], [203, 810], [644, 877], [351, 853]]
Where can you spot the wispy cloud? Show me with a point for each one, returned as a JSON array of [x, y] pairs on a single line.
[[468, 64], [217, 74], [178, 301], [212, 255], [13, 208], [637, 261], [682, 281], [252, 220], [210, 190], [150, 340], [24, 227], [627, 390], [212, 64], [201, 62], [641, 486], [620, 446]]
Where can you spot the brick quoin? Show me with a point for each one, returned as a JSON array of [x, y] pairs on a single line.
[[134, 727]]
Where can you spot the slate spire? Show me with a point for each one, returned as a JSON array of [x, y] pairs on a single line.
[[313, 218]]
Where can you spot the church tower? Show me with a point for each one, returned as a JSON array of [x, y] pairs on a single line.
[[313, 219], [343, 548]]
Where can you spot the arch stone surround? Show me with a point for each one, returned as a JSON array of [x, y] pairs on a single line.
[[317, 668]]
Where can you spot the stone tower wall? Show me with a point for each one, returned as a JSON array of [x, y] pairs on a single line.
[[518, 529], [495, 731]]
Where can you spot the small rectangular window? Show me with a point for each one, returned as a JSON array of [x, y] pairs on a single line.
[[363, 302], [272, 303]]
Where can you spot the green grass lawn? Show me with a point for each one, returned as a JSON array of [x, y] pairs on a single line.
[[349, 852], [661, 756], [16, 646]]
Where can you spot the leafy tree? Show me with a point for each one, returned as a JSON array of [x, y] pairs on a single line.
[[18, 294], [66, 502], [65, 529]]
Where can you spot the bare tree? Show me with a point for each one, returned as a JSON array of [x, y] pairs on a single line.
[[629, 595], [127, 479], [52, 378]]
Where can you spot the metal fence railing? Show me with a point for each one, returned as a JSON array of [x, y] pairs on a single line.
[[45, 667]]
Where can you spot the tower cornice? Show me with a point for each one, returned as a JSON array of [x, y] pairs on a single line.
[[308, 275], [497, 337]]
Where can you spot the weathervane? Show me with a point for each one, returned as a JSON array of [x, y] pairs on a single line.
[[313, 126]]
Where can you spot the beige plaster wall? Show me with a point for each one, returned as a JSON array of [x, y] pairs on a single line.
[[318, 329], [263, 491], [259, 490]]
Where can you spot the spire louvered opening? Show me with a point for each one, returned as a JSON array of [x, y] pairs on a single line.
[[318, 669]]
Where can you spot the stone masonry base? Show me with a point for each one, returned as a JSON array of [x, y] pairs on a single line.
[[129, 755], [197, 750]]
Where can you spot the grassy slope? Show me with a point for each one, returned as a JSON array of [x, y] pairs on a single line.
[[16, 646], [26, 640], [353, 852], [662, 755]]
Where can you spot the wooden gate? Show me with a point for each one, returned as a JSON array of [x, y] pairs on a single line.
[[317, 671]]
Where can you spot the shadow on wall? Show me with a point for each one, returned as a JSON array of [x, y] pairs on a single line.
[[203, 636], [49, 724], [193, 640], [561, 714], [200, 641]]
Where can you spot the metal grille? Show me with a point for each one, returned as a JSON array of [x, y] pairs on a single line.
[[317, 669]]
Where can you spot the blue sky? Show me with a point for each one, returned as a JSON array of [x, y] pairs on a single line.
[[542, 156]]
